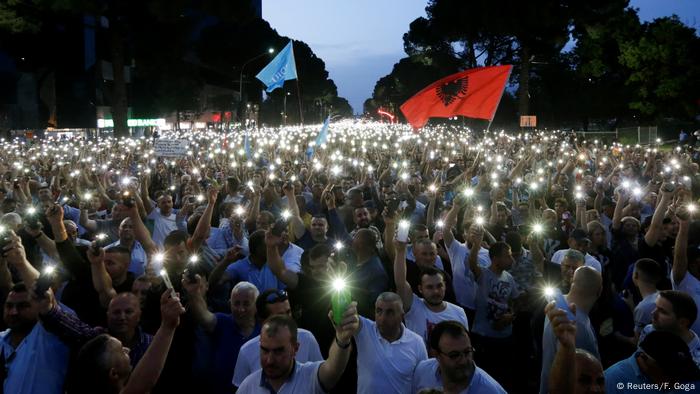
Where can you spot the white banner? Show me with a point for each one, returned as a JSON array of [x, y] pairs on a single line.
[[171, 148]]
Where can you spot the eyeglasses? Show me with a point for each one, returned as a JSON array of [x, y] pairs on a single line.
[[277, 296], [456, 355]]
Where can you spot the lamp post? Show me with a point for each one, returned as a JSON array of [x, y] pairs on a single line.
[[284, 119], [240, 78]]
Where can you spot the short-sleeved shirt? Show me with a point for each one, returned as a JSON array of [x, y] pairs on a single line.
[[386, 367], [524, 271], [643, 311], [427, 376], [690, 285], [303, 379], [227, 342], [422, 320], [245, 270], [162, 225], [249, 355], [493, 296], [621, 376], [292, 258], [463, 280]]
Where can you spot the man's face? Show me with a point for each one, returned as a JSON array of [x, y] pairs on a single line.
[[117, 264], [425, 255], [279, 308], [126, 230], [630, 228], [123, 315], [319, 227], [118, 212], [319, 267], [277, 352], [419, 235], [317, 190], [44, 194], [663, 317], [165, 203], [119, 358], [176, 257], [502, 217], [388, 316], [432, 287], [243, 305], [263, 223], [505, 260], [568, 267], [19, 312], [362, 218], [590, 377], [456, 357]]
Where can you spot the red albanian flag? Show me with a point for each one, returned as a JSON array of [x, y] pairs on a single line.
[[472, 93]]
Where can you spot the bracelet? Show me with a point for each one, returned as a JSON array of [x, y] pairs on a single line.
[[39, 235], [337, 342]]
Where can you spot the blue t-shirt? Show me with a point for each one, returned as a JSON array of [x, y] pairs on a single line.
[[245, 270], [227, 341]]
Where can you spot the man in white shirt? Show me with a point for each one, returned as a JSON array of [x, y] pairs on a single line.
[[387, 352], [578, 240], [269, 303], [282, 373], [423, 313], [453, 369], [165, 219]]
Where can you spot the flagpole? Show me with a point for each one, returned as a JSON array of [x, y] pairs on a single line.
[[301, 115]]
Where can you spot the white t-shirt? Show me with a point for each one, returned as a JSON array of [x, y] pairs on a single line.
[[427, 376], [690, 285], [304, 380], [463, 281], [421, 320], [292, 258], [643, 311], [589, 261], [384, 367], [494, 294], [162, 225], [249, 357]]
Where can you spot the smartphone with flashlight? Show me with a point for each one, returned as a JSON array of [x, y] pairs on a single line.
[[402, 232], [554, 294]]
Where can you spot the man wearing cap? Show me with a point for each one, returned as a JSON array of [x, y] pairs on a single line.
[[661, 364], [578, 240]]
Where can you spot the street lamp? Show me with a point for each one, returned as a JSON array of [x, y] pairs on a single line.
[[240, 78]]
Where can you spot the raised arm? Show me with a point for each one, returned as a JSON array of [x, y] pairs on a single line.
[[476, 236], [295, 219], [403, 288], [332, 369], [274, 261], [204, 225], [89, 224], [680, 251], [147, 205], [562, 377], [656, 227], [101, 280], [197, 304], [141, 233], [16, 257], [389, 232], [622, 198], [148, 370]]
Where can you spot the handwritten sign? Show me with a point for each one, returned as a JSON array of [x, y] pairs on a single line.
[[170, 148]]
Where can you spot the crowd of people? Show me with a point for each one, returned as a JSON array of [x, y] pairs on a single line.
[[479, 262]]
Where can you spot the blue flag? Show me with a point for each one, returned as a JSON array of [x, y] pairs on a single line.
[[320, 138], [280, 69]]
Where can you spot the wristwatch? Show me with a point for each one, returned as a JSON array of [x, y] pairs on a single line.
[[337, 342]]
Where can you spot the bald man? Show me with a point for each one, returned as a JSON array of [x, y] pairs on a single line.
[[585, 290]]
